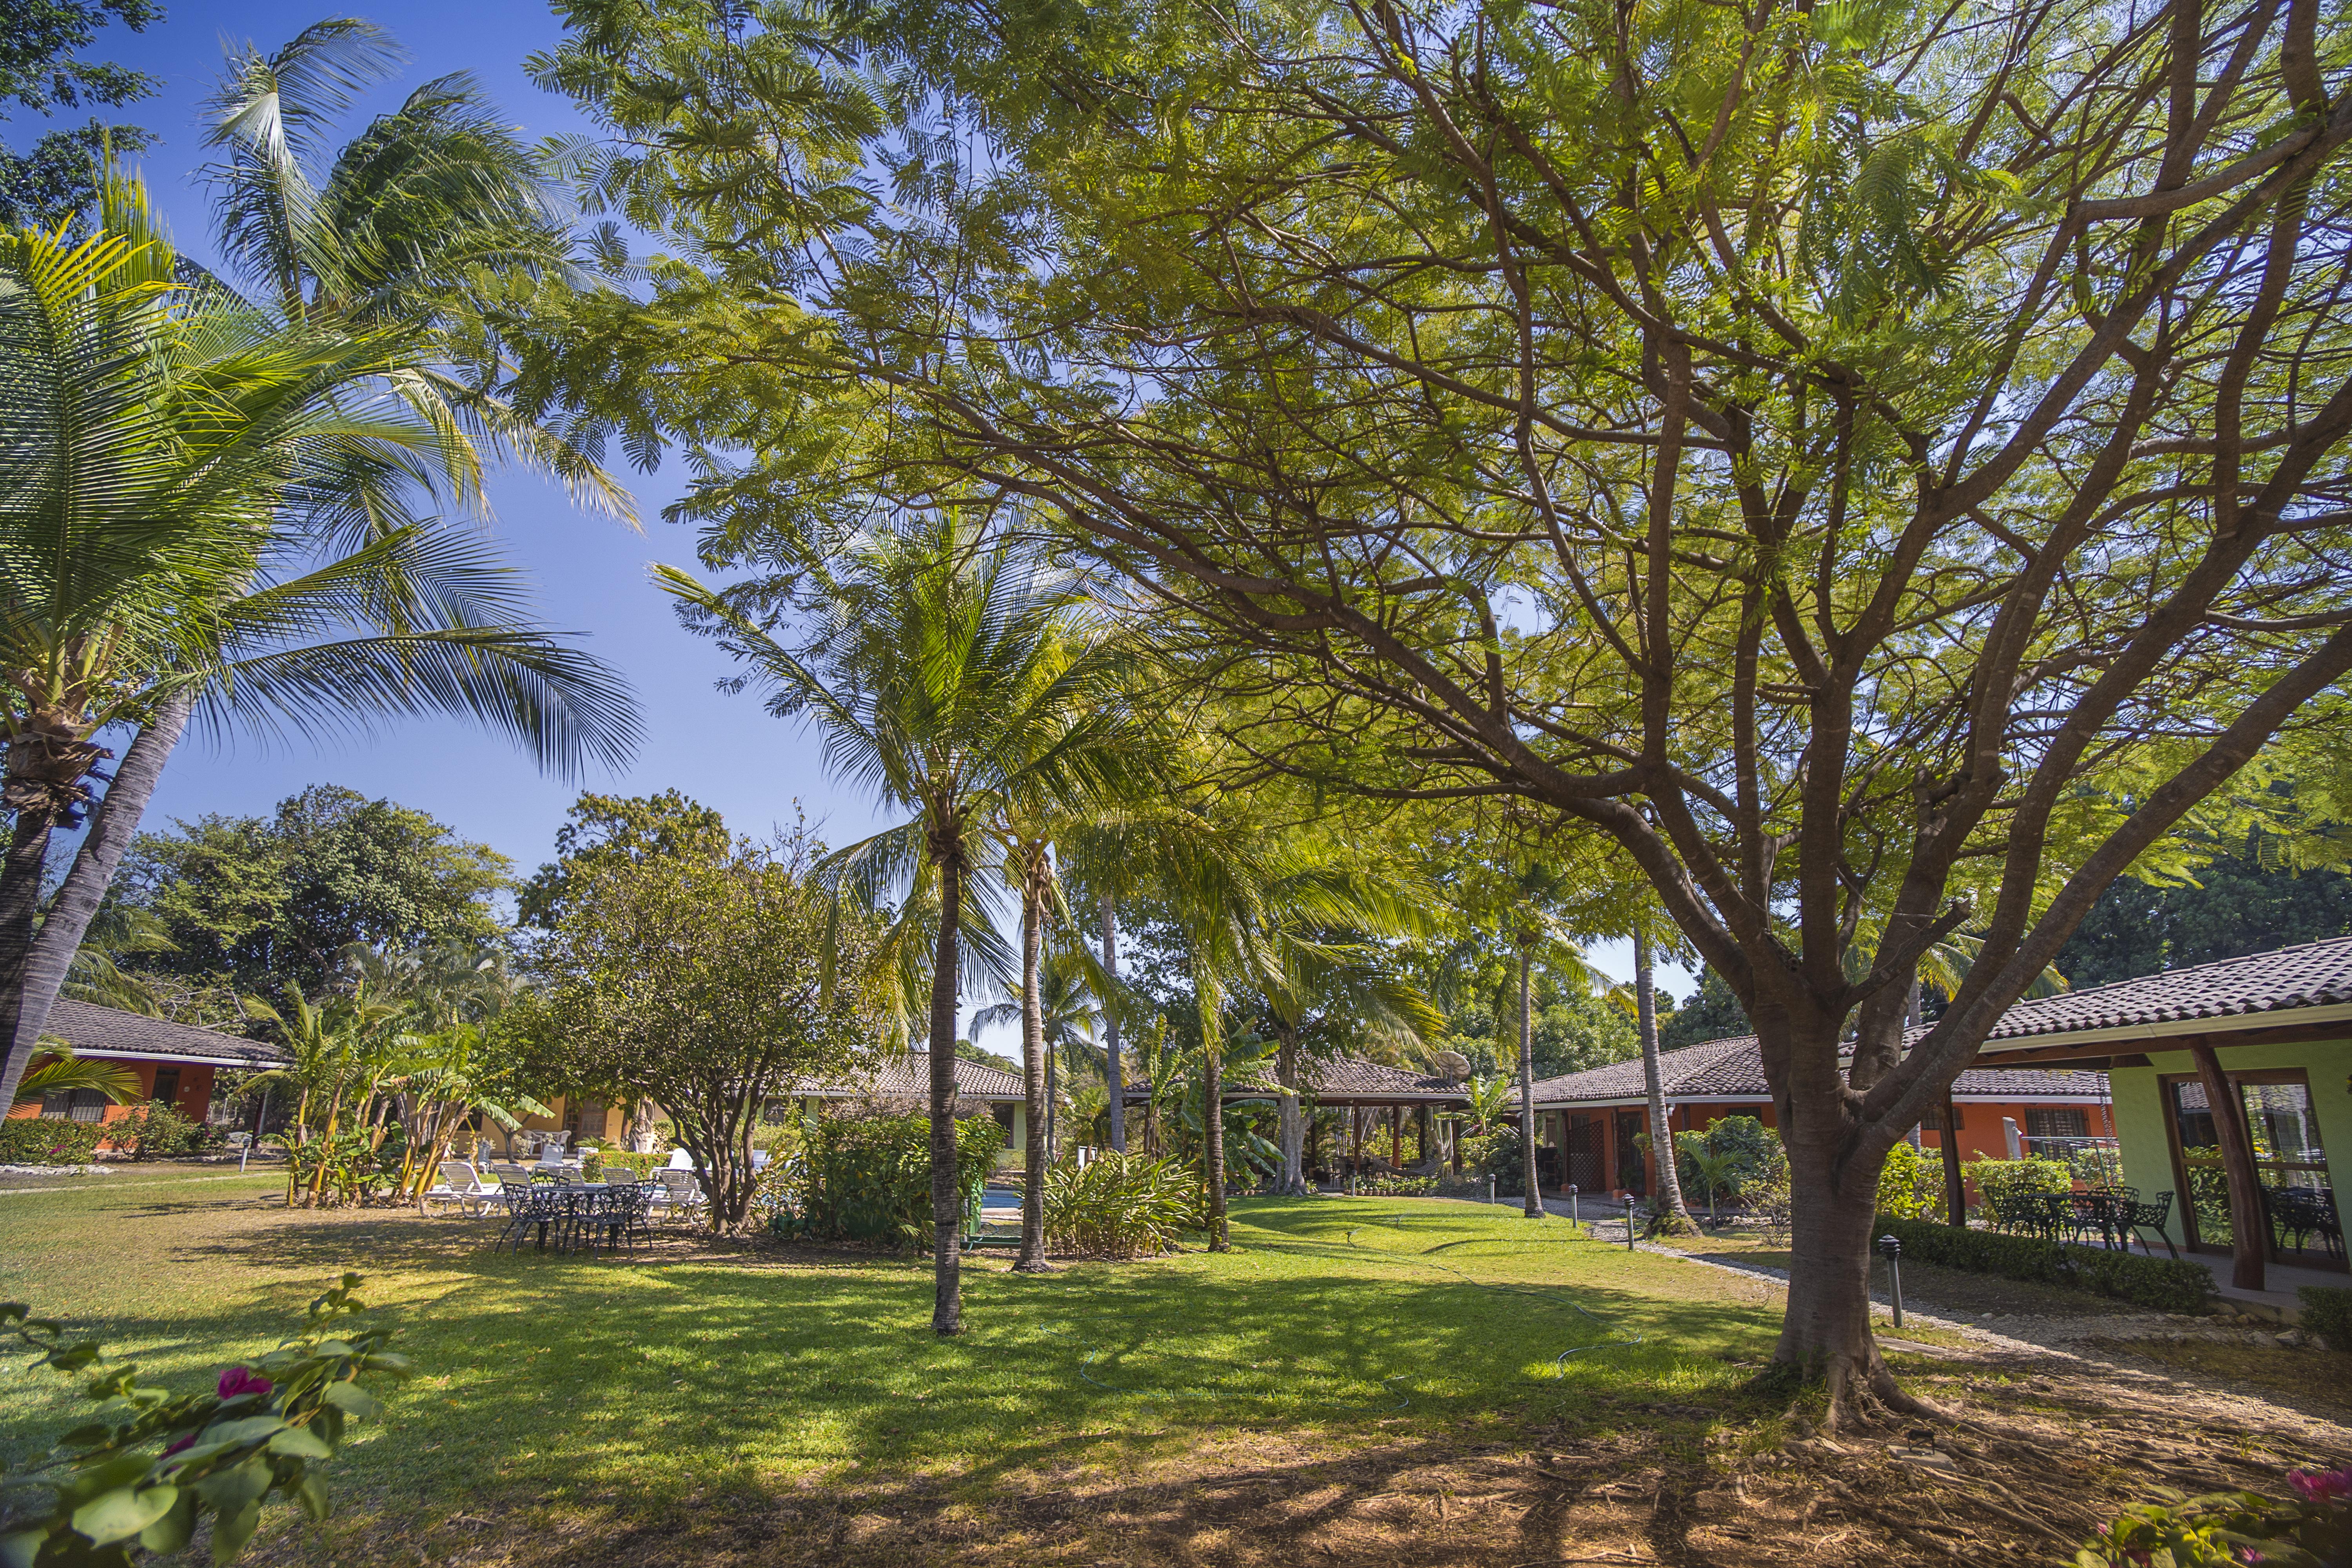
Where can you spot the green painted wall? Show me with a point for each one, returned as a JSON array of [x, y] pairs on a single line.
[[2139, 1111]]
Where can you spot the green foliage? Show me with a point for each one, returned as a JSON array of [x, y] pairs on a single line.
[[341, 1170], [274, 900], [47, 1141], [1119, 1205], [868, 1178], [2166, 1284], [1377, 1185], [155, 1132], [1911, 1183], [1712, 1013], [1731, 1154], [58, 175], [704, 977], [1497, 1154], [2235, 904], [1999, 1182], [2327, 1312], [591, 1165], [105, 1498], [2224, 1530]]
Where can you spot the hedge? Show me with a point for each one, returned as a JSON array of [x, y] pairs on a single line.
[[2327, 1312], [2163, 1283], [46, 1140]]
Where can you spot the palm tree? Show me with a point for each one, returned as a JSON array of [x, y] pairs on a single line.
[[202, 515], [338, 1051], [953, 675], [65, 1072], [1056, 1013], [403, 224]]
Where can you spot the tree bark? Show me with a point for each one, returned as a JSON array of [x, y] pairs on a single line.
[[947, 1197], [1293, 1135], [1667, 1201], [32, 974], [1034, 1088], [1114, 1070], [2249, 1227], [1532, 1207], [1213, 1106]]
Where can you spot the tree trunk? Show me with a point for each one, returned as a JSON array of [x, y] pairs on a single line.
[[1213, 1106], [1667, 1201], [1956, 1186], [1053, 1104], [1533, 1206], [1114, 1070], [1826, 1333], [2250, 1228], [947, 1196], [1035, 1087], [1293, 1133], [32, 974]]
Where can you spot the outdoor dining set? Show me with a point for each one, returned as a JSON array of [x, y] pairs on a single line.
[[2116, 1215], [553, 1208]]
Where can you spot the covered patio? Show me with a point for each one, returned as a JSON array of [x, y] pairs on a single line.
[[2230, 1085], [1376, 1102]]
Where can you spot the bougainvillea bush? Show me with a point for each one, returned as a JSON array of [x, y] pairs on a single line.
[[149, 1466], [2227, 1530]]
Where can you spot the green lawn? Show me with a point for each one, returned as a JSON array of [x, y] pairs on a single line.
[[643, 1388]]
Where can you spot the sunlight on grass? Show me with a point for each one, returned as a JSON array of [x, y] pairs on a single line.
[[655, 1381]]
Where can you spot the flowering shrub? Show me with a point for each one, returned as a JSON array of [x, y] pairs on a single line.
[[106, 1495], [2225, 1530], [155, 1132], [46, 1140]]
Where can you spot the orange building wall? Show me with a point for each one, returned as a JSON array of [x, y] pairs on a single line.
[[193, 1099]]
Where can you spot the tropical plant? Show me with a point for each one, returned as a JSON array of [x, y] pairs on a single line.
[[65, 1073], [949, 671], [202, 513], [429, 210], [339, 1054], [102, 1500], [1119, 1205], [1056, 1013], [1490, 1096]]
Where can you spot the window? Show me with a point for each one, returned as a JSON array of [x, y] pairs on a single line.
[[2057, 1122], [1002, 1111], [167, 1086], [74, 1105], [774, 1112]]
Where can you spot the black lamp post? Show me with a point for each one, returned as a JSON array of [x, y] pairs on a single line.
[[1893, 1250]]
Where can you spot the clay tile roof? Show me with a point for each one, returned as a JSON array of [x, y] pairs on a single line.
[[109, 1031], [2315, 975], [909, 1077], [1344, 1078], [1735, 1066]]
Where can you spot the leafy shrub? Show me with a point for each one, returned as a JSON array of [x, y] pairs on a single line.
[[2327, 1312], [1911, 1183], [345, 1169], [1396, 1186], [2165, 1284], [591, 1165], [868, 1178], [46, 1140], [1733, 1151], [155, 1132], [1497, 1154], [107, 1496], [2000, 1181], [641, 1165], [1770, 1198], [1119, 1205], [2224, 1530]]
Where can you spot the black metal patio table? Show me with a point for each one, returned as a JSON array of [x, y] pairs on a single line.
[[572, 1218]]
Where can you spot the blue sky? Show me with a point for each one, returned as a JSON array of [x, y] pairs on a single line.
[[591, 574]]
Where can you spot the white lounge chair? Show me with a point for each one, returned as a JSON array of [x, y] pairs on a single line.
[[461, 1184]]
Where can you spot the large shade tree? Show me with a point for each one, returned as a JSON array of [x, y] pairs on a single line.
[[1882, 467]]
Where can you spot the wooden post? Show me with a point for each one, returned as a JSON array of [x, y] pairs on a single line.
[[1956, 1186], [2249, 1227], [1396, 1136]]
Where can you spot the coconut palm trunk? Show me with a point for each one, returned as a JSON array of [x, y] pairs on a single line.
[[1212, 1105], [1293, 1131], [33, 965], [1035, 1087], [1114, 1070], [947, 1194], [1666, 1202], [1533, 1206]]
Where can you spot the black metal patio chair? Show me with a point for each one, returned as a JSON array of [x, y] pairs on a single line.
[[2139, 1218]]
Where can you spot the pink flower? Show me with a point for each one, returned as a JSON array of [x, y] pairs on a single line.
[[187, 1442], [236, 1382], [2322, 1486]]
